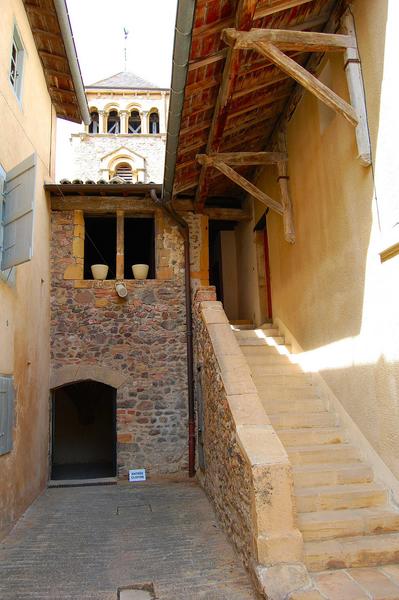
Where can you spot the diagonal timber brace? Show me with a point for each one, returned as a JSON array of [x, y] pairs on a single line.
[[219, 162]]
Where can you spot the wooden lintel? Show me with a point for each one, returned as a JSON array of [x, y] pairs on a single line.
[[249, 187], [308, 81], [301, 41], [39, 10], [242, 158]]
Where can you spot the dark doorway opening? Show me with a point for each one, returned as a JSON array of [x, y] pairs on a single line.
[[100, 244], [215, 254], [84, 431], [139, 245]]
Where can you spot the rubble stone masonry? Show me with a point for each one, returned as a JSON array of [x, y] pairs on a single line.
[[142, 339]]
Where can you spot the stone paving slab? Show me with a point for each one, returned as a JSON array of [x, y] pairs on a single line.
[[84, 543]]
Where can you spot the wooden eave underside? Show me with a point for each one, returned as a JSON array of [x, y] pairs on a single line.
[[46, 32], [242, 115]]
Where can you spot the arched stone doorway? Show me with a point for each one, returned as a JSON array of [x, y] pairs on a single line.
[[84, 431]]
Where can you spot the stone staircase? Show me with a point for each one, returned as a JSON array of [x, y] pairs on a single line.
[[344, 514]]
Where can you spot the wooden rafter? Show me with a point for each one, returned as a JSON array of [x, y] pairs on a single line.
[[243, 21]]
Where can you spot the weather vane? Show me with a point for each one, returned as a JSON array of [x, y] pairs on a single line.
[[126, 33]]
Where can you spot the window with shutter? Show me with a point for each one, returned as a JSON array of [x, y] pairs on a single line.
[[19, 195], [6, 413]]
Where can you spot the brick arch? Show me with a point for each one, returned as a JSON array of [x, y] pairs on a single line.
[[75, 373]]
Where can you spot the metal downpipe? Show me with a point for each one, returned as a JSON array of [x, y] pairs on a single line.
[[185, 232]]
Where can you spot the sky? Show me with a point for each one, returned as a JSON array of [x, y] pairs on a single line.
[[98, 30]]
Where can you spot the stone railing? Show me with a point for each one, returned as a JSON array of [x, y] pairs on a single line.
[[247, 474]]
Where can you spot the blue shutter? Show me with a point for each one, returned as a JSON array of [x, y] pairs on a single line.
[[19, 194], [6, 413]]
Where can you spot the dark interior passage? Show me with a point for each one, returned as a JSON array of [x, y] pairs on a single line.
[[84, 431], [215, 254]]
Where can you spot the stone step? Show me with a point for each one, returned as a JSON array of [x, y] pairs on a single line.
[[257, 333], [298, 392], [264, 371], [300, 420], [311, 436], [264, 350], [295, 380], [273, 331], [339, 497], [261, 358], [242, 326], [327, 453], [329, 524], [255, 341], [348, 552], [287, 405], [331, 474]]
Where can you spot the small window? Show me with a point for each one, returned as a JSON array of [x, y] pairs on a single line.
[[124, 171], [94, 122], [100, 245], [139, 234], [16, 63], [154, 122], [113, 123], [134, 122]]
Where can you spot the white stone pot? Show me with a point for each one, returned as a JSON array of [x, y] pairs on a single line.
[[140, 271], [99, 271]]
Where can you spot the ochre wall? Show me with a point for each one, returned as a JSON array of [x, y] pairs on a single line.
[[24, 305], [330, 288]]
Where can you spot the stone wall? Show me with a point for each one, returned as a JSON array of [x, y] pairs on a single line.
[[141, 338], [90, 150], [247, 474]]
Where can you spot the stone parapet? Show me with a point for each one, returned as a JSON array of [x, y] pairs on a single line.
[[247, 472]]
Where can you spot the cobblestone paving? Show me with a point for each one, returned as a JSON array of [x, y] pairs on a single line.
[[83, 543]]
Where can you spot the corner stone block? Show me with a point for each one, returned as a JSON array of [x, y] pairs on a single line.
[[73, 272], [279, 548]]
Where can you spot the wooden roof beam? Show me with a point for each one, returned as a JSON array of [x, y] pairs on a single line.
[[300, 41], [242, 158]]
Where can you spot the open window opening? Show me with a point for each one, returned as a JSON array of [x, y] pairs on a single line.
[[100, 244], [139, 246], [94, 122], [84, 431], [154, 122], [223, 272], [124, 170], [113, 122], [134, 125]]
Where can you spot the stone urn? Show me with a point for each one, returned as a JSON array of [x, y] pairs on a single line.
[[99, 271], [140, 271]]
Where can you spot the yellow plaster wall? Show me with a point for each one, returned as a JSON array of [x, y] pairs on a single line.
[[26, 127], [330, 288]]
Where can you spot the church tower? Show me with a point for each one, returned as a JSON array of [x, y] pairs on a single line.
[[125, 141]]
